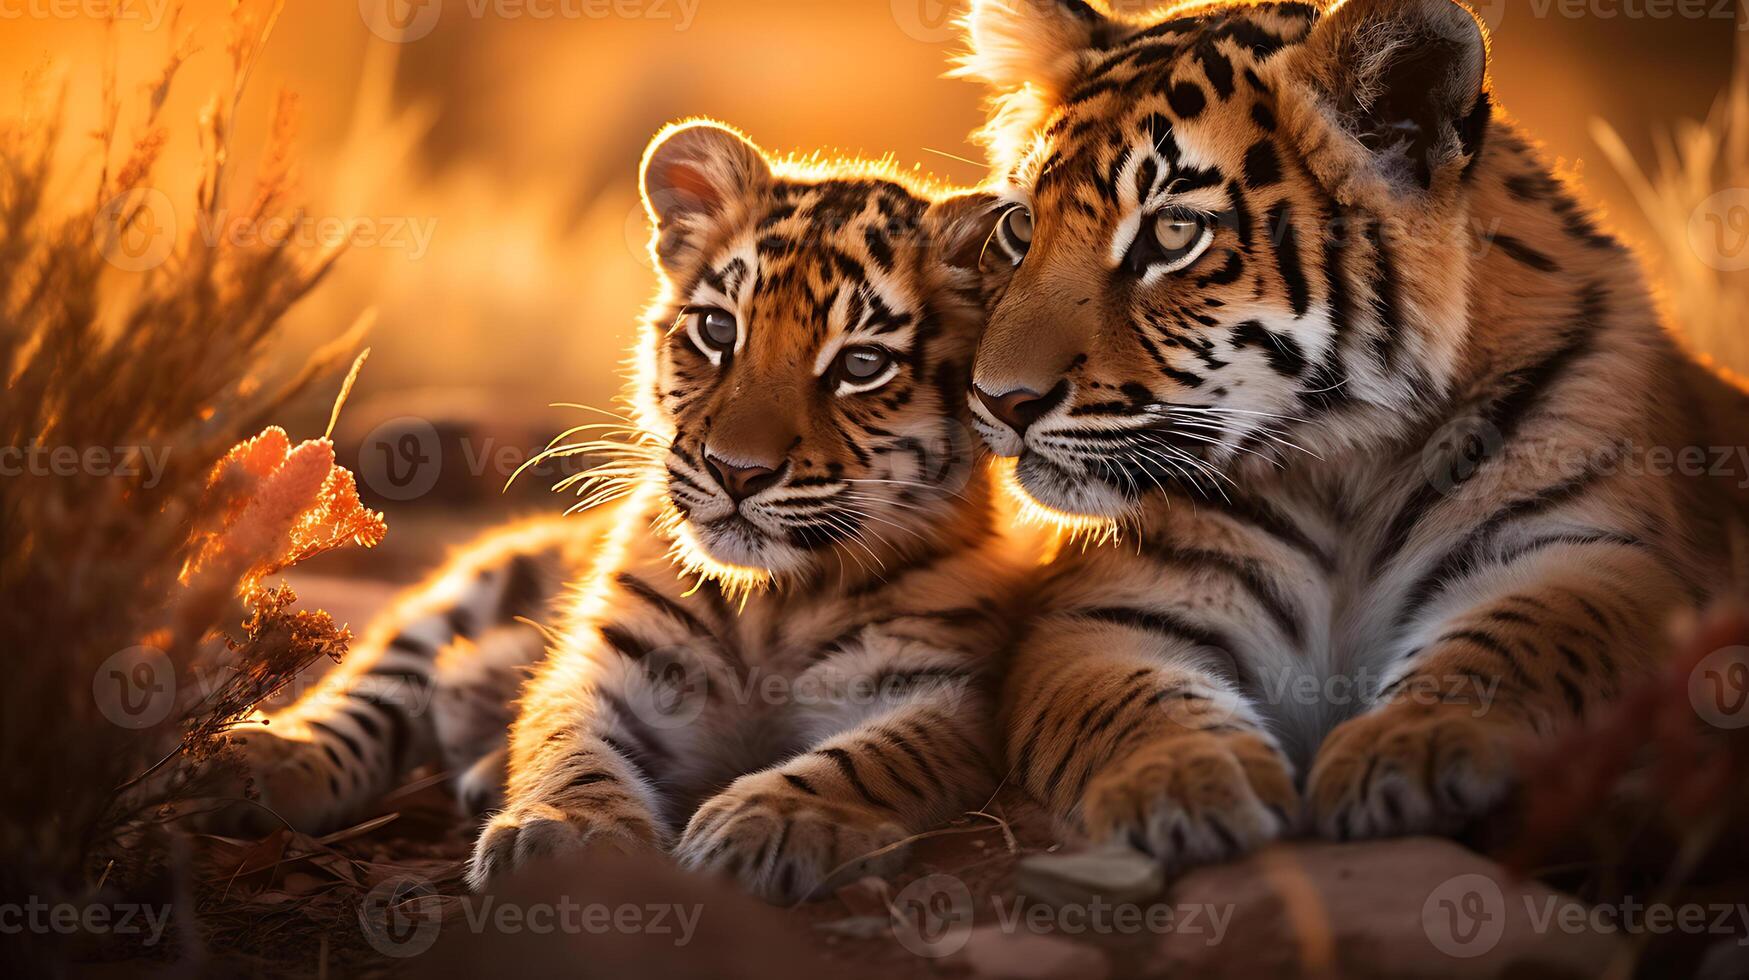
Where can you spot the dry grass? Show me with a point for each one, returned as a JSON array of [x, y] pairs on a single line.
[[109, 367], [1696, 200]]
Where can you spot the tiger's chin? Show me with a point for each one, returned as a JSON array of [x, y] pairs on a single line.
[[1064, 497], [736, 554]]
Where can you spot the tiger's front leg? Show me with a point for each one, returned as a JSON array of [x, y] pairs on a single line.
[[597, 735], [1437, 747], [1130, 738], [899, 740]]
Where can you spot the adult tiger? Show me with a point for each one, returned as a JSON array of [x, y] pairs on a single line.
[[776, 662], [1288, 304]]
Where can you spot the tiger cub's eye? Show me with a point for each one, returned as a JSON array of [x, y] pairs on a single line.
[[718, 328], [1018, 223], [1176, 236], [863, 363], [1169, 241], [713, 331]]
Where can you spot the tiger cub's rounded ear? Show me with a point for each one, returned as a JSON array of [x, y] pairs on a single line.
[[694, 169], [1041, 43], [959, 227], [1406, 78]]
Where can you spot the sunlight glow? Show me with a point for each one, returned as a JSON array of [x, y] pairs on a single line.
[[1071, 528]]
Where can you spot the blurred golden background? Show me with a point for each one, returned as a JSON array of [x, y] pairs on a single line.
[[491, 152]]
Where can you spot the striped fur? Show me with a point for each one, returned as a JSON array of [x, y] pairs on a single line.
[[1368, 453], [820, 690], [776, 657]]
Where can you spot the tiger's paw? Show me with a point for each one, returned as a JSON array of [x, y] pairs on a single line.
[[1193, 798], [527, 834], [1409, 769], [785, 844], [264, 782]]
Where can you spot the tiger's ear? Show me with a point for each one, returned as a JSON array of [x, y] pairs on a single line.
[[960, 226], [1405, 78], [695, 171], [1042, 43]]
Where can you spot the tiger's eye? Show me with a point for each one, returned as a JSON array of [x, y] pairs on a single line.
[[1018, 223], [718, 329], [1176, 236], [863, 363]]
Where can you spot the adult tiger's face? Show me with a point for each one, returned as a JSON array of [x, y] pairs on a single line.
[[810, 354], [1182, 285]]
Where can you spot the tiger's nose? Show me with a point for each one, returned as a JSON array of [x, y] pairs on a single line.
[[740, 480], [1019, 408]]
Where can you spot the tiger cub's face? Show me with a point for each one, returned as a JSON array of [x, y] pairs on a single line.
[[810, 356], [1181, 285]]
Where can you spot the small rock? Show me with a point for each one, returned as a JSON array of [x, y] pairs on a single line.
[[858, 927], [866, 896], [1416, 907], [1116, 875], [995, 954]]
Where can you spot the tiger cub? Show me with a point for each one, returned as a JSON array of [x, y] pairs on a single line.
[[776, 658], [1387, 425]]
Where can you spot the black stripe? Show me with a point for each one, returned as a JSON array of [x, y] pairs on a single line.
[[1263, 516], [623, 642], [1492, 644], [407, 644], [344, 739], [1524, 254], [590, 778], [672, 609], [1287, 256], [1283, 352], [847, 766], [400, 732], [1575, 699], [873, 748], [1163, 624], [1469, 555], [1250, 576], [631, 757], [1262, 165], [1187, 100], [1387, 305], [461, 622], [800, 783], [1240, 213], [917, 757]]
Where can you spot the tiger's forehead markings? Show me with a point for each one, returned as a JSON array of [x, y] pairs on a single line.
[[825, 256], [1142, 92]]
